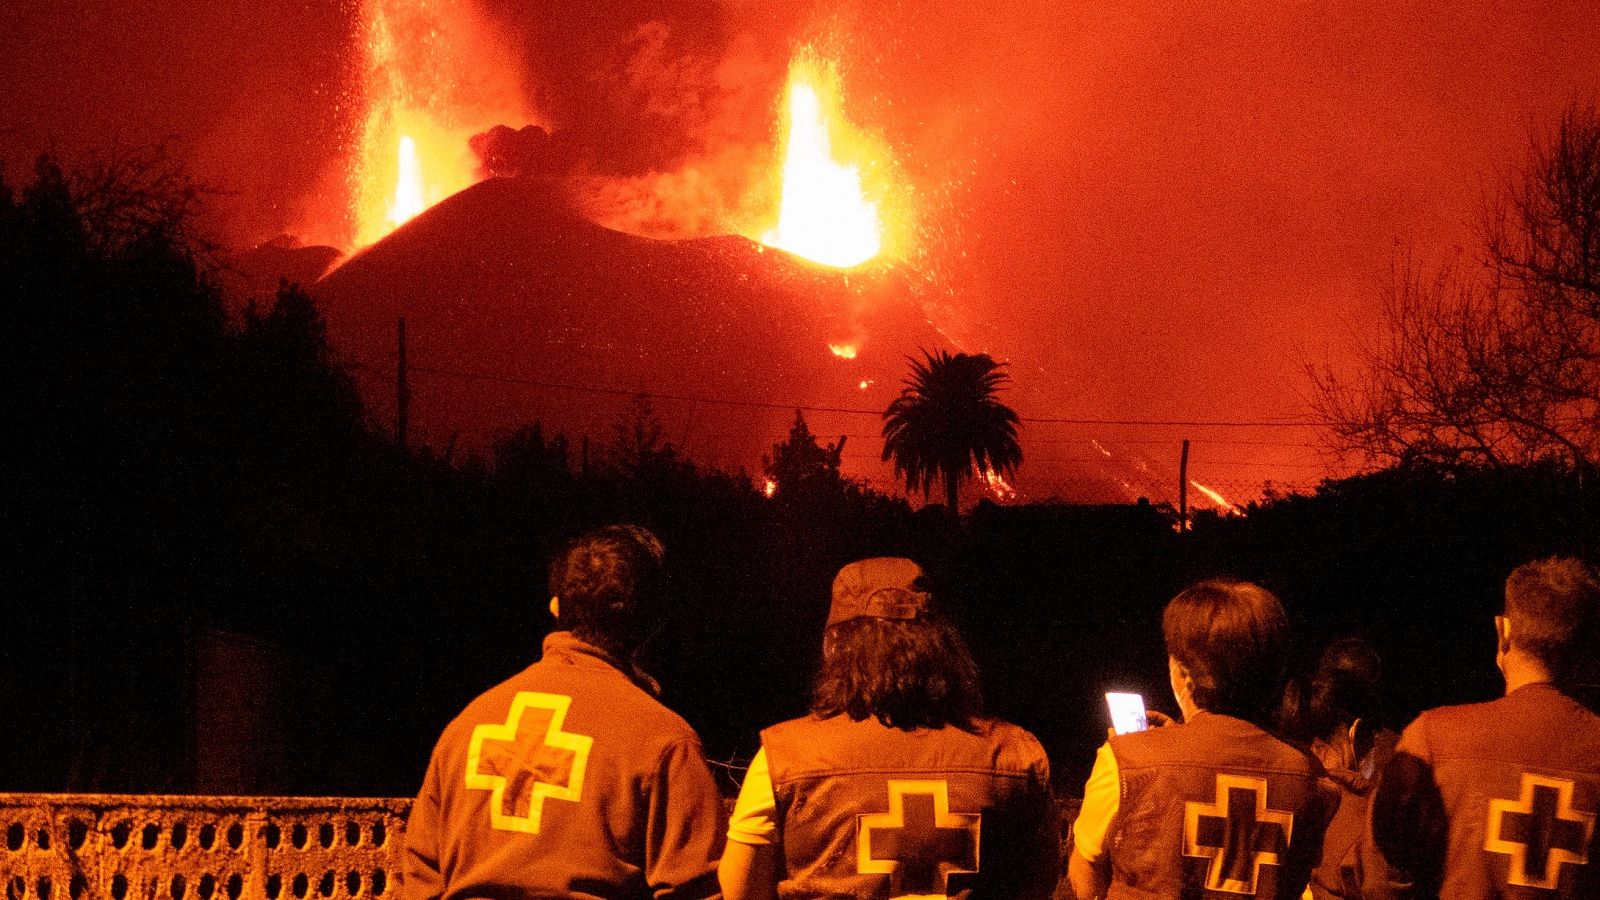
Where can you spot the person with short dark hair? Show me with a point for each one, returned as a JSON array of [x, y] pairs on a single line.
[[1500, 799], [896, 784], [570, 779], [1343, 721], [1214, 806]]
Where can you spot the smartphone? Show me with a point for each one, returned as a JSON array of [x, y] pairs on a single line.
[[1127, 712]]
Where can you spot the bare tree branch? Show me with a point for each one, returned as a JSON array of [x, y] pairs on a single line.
[[1497, 363]]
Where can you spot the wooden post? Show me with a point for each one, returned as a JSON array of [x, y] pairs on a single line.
[[402, 389], [1183, 488]]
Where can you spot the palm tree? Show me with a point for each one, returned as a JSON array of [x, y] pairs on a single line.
[[948, 423]]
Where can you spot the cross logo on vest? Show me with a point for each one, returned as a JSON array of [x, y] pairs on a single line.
[[1237, 833], [919, 843], [1539, 831], [527, 760]]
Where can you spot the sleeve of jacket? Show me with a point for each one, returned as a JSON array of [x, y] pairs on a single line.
[[1402, 854], [420, 875], [1047, 862], [685, 830]]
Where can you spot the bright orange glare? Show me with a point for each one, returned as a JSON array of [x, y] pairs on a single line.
[[1222, 503], [998, 487], [825, 214], [431, 78], [408, 188], [843, 351], [769, 487]]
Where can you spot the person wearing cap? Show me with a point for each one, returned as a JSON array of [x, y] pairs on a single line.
[[1215, 806], [895, 784], [1501, 799], [570, 779]]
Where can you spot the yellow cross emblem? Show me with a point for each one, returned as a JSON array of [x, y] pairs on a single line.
[[551, 767], [1539, 831], [918, 843], [1238, 834]]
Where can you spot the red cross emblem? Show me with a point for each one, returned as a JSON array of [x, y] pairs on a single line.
[[919, 843], [526, 760], [1237, 833], [1539, 831]]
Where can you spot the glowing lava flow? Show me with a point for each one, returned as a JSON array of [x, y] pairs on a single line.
[[998, 486], [843, 351], [1222, 502], [408, 189], [824, 215]]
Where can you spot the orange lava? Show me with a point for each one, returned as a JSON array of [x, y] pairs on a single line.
[[843, 351], [433, 74], [1216, 497], [409, 186], [997, 485], [832, 176]]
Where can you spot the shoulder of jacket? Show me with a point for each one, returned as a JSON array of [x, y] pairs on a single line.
[[1020, 741], [1430, 722], [790, 727], [1138, 747]]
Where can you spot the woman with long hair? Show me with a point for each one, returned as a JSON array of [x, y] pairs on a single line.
[[895, 783]]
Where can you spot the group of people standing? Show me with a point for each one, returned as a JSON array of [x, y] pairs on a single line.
[[570, 779]]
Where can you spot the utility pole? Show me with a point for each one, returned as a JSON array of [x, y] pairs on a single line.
[[402, 390], [1183, 488]]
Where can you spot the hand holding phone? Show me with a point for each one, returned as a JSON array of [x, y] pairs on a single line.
[[1127, 712]]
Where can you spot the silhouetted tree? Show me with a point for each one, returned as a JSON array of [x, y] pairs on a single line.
[[948, 423], [296, 399], [526, 454], [1493, 358], [638, 445], [800, 466]]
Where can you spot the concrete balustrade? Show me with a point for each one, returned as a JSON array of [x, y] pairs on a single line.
[[144, 847], [150, 847]]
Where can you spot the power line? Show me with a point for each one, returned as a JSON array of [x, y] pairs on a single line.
[[763, 404], [1180, 423]]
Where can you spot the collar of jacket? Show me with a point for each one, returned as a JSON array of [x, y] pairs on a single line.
[[566, 648]]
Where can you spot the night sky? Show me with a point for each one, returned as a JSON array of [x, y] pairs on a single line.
[[1154, 211]]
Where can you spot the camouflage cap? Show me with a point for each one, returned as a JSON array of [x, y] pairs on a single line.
[[885, 587]]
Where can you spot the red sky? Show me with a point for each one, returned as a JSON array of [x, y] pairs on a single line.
[[1155, 210]]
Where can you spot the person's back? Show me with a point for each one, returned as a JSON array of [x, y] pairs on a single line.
[[1517, 783], [1215, 806], [1342, 721], [569, 779], [895, 785], [942, 811], [1499, 799]]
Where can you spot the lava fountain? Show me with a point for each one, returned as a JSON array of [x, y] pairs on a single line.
[[828, 211], [409, 186], [432, 75]]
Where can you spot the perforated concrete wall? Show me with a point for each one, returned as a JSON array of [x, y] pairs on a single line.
[[75, 846], [145, 847]]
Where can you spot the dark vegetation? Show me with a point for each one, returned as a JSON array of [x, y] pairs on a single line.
[[221, 578]]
